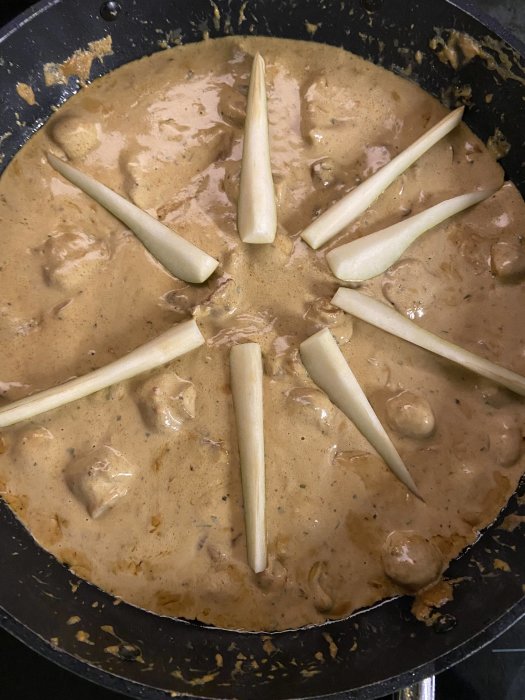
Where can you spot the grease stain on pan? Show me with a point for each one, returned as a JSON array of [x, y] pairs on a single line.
[[498, 144], [26, 92], [332, 646], [512, 521], [457, 49], [124, 650], [501, 565], [196, 680], [427, 602], [4, 137], [83, 636], [79, 64]]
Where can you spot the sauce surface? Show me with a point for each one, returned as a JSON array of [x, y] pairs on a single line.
[[137, 488]]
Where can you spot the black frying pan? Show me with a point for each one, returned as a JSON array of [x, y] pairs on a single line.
[[380, 649]]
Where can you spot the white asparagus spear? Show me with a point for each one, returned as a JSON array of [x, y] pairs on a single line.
[[326, 365], [247, 390], [371, 255], [256, 213], [389, 320], [180, 257], [166, 347], [352, 205]]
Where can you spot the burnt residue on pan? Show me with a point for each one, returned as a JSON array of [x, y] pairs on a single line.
[[138, 653]]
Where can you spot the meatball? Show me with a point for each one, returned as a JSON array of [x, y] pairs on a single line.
[[232, 106], [99, 479], [37, 447], [166, 401], [410, 560], [410, 414], [75, 136], [506, 445]]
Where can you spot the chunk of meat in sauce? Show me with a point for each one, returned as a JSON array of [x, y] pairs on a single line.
[[311, 406], [409, 286], [324, 108], [324, 173], [318, 580], [149, 174], [232, 106], [99, 479], [75, 136], [222, 302], [321, 314], [72, 258], [284, 363], [507, 259], [166, 401]]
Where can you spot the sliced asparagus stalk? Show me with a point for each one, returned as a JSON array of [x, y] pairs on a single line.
[[389, 320], [247, 391], [371, 255], [257, 214], [326, 365], [352, 205], [181, 258], [177, 341]]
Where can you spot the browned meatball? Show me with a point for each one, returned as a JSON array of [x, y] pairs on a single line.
[[410, 560], [410, 415]]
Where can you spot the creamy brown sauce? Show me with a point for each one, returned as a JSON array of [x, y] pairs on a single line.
[[137, 488]]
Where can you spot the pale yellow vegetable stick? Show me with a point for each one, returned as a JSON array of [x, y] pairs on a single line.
[[247, 390], [370, 255], [180, 257], [385, 317], [166, 347], [257, 212], [326, 365], [352, 205]]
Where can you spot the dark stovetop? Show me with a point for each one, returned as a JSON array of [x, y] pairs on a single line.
[[495, 673]]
